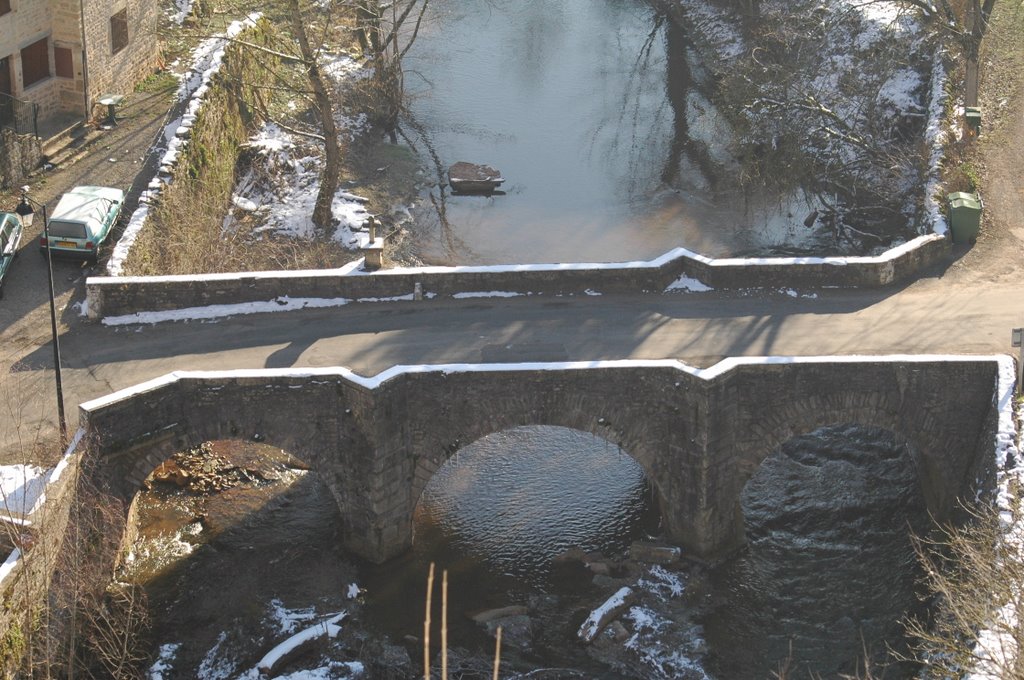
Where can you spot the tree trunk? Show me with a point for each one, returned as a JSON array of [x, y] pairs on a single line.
[[322, 215]]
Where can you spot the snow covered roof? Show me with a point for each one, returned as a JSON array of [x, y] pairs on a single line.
[[87, 205]]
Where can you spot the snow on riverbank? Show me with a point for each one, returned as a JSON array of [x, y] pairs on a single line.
[[285, 194], [859, 77], [20, 489], [280, 190]]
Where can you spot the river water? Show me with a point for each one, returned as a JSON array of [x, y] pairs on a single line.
[[593, 112], [828, 572]]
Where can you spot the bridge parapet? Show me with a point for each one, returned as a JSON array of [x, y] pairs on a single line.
[[126, 295]]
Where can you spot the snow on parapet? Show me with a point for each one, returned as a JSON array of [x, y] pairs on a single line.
[[373, 382], [354, 268], [207, 59], [280, 304]]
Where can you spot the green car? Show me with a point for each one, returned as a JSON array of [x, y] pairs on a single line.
[[82, 221], [10, 237]]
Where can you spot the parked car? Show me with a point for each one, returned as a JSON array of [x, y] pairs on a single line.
[[10, 237], [82, 221]]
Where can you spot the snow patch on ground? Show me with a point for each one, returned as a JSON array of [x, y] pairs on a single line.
[[216, 666], [285, 193], [182, 8], [660, 660], [936, 136], [996, 645], [21, 487], [287, 620], [664, 584], [164, 661], [869, 76]]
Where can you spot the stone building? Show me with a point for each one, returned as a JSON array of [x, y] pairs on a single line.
[[63, 55]]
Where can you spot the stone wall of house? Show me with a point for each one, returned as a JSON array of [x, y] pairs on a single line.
[[29, 21], [118, 73]]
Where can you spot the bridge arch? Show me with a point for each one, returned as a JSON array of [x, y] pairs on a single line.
[[445, 412], [936, 451], [520, 497]]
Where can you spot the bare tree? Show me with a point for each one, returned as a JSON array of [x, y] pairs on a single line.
[[385, 32], [291, 47], [975, 575], [803, 123], [311, 62]]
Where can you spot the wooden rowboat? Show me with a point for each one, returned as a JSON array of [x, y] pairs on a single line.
[[470, 178]]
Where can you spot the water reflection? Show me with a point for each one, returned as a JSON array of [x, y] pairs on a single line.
[[497, 515], [517, 499], [830, 570], [589, 109]]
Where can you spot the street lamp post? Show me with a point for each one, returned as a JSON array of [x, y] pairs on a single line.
[[26, 212]]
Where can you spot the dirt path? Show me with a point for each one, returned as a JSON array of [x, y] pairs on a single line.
[[999, 253]]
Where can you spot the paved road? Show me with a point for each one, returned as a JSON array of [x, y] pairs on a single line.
[[930, 316]]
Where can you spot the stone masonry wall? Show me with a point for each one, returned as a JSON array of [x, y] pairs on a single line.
[[115, 296], [19, 155], [118, 73], [699, 440], [29, 21]]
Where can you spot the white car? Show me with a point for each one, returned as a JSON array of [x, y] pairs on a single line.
[[82, 221]]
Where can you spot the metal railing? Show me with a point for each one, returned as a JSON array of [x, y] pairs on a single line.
[[22, 117]]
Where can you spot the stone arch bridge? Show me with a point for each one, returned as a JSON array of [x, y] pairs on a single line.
[[699, 434]]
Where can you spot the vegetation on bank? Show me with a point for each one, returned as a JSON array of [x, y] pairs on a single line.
[[283, 73], [185, 231]]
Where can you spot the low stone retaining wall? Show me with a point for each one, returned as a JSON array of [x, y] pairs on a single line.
[[118, 296], [20, 154]]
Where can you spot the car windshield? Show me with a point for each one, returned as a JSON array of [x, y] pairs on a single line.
[[59, 229]]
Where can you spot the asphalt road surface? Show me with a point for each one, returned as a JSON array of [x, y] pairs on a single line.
[[930, 316]]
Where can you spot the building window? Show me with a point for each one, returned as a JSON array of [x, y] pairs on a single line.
[[35, 62], [119, 31], [62, 62], [5, 7]]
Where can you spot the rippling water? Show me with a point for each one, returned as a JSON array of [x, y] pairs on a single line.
[[830, 569], [828, 572], [519, 498]]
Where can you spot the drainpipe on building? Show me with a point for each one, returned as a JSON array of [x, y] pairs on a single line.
[[85, 59]]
